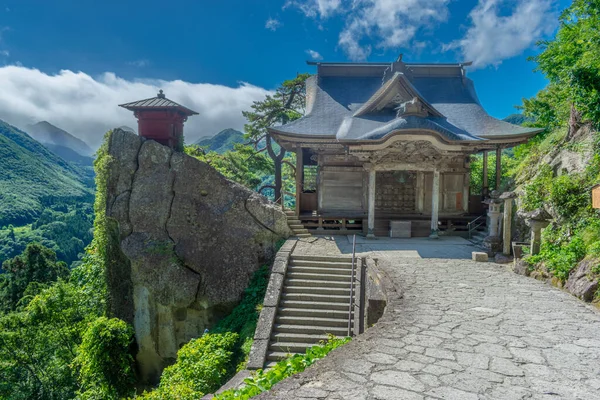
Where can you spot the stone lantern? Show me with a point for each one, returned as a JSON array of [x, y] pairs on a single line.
[[160, 119], [492, 242], [537, 220]]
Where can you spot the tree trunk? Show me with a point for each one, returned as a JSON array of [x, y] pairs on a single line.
[[277, 161], [574, 122]]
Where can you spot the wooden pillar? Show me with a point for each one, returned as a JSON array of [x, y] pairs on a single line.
[[506, 240], [435, 204], [498, 167], [485, 185], [299, 177], [371, 228]]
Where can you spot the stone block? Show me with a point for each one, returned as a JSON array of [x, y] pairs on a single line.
[[280, 264], [288, 246], [258, 354], [265, 323], [273, 290], [479, 256]]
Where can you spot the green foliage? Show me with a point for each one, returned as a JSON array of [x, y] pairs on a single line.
[[243, 164], [476, 163], [33, 179], [202, 366], [41, 351], [37, 266], [570, 196], [535, 192], [104, 362], [265, 380], [559, 252], [572, 63]]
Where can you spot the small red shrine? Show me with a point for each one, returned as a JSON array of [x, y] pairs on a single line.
[[160, 119]]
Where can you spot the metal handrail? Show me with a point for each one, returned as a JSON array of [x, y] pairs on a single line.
[[470, 226], [352, 286]]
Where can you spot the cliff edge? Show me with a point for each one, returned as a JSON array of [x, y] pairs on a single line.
[[188, 242]]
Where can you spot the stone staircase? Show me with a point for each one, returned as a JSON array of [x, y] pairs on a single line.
[[314, 303], [296, 225]]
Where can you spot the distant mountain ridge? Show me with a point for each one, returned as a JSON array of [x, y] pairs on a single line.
[[222, 141], [32, 177], [48, 134], [517, 119]]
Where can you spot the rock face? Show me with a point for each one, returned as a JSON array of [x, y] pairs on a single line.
[[582, 282], [192, 240]]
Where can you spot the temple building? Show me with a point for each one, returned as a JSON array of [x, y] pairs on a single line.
[[388, 142]]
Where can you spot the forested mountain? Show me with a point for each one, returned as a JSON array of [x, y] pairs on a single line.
[[222, 141], [518, 119], [42, 198], [48, 134]]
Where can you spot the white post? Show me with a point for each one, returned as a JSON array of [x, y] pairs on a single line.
[[371, 230], [466, 192], [435, 204]]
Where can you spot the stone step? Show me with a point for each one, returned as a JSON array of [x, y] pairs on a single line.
[[293, 227], [320, 270], [312, 290], [299, 231], [319, 276], [313, 313], [303, 235], [298, 338], [290, 347], [310, 329], [311, 321], [329, 298], [294, 221], [270, 364], [317, 283], [294, 261], [314, 305], [290, 212], [340, 258], [276, 356]]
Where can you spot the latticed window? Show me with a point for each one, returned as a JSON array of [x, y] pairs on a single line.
[[310, 178]]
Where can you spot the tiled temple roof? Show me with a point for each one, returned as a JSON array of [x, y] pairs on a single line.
[[360, 102]]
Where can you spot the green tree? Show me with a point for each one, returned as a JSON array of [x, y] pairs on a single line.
[[104, 360], [285, 105], [37, 264], [243, 164], [572, 63]]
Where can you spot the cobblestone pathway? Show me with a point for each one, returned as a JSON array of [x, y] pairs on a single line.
[[462, 330]]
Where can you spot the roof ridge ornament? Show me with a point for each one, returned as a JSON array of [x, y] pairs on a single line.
[[396, 66], [160, 94]]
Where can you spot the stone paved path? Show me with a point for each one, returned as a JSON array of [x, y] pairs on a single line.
[[456, 329]]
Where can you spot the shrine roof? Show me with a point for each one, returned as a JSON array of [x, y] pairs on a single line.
[[160, 102], [367, 101]]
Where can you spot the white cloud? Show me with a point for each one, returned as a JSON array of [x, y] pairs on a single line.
[[139, 63], [315, 55], [391, 24], [4, 53], [493, 37], [316, 8], [87, 107], [273, 24]]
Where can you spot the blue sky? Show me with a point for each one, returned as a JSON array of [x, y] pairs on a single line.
[[233, 52]]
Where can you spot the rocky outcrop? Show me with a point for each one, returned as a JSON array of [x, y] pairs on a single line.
[[582, 282], [192, 240]]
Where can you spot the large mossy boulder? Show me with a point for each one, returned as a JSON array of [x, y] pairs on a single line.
[[191, 239]]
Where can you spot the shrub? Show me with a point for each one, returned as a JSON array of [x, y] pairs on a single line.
[[569, 195], [264, 380], [104, 360], [200, 368]]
